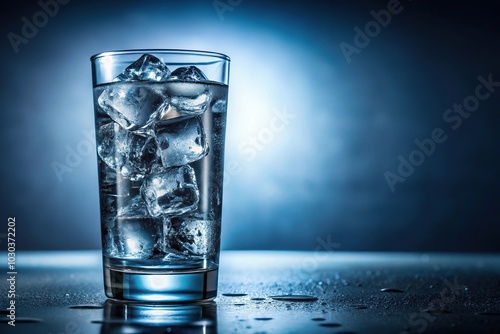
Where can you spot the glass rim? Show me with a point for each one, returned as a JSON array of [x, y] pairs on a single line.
[[160, 51]]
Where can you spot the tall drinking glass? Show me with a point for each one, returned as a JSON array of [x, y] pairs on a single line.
[[160, 118]]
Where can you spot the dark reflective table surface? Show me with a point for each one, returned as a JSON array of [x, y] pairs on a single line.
[[268, 292]]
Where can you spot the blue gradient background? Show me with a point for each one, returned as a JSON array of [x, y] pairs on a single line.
[[320, 175]]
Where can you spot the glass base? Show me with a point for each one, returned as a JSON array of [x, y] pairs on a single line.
[[160, 286]]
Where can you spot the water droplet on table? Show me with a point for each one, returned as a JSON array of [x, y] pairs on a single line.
[[391, 290], [263, 319], [359, 306], [87, 307], [295, 298], [436, 311], [330, 324], [234, 294]]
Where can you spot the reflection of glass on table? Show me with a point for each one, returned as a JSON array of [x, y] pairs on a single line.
[[120, 317]]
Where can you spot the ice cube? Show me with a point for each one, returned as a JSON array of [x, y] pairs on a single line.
[[112, 144], [164, 252], [194, 236], [132, 237], [143, 155], [146, 68], [134, 105], [191, 73], [134, 233], [132, 155], [220, 106], [170, 113], [189, 98], [181, 141], [191, 106], [172, 193], [136, 208]]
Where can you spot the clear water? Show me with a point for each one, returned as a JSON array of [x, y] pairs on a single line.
[[161, 181]]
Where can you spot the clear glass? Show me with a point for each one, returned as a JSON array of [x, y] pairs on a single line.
[[160, 118]]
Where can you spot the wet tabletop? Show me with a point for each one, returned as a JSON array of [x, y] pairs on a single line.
[[268, 292]]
